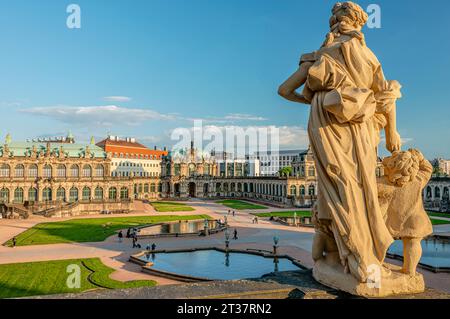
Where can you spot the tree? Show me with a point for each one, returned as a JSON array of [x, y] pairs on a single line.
[[285, 171]]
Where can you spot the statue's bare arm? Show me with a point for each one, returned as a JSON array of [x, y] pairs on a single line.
[[295, 81], [393, 139]]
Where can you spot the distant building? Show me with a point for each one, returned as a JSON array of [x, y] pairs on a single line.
[[272, 162], [229, 166], [442, 165], [132, 159]]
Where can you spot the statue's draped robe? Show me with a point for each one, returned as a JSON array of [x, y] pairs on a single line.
[[348, 95]]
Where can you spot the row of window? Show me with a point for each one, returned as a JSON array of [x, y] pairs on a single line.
[[47, 171], [301, 190], [141, 156], [130, 164], [147, 188], [47, 194], [437, 193], [135, 174]]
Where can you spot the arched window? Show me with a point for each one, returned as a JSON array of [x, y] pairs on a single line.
[[302, 190], [98, 194], [47, 194], [32, 194], [4, 170], [160, 187], [86, 194], [99, 170], [445, 195], [19, 171], [112, 194], [146, 188], [437, 192], [18, 195], [191, 169], [176, 169], [206, 169], [61, 171], [73, 194], [47, 172], [4, 195], [74, 171], [311, 190], [124, 193], [33, 171], [152, 187], [87, 171], [311, 171], [293, 190], [61, 194], [429, 192]]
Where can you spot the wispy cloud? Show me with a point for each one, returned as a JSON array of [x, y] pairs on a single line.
[[107, 115], [117, 98], [230, 118]]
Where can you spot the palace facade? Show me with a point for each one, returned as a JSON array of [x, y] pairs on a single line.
[[64, 178], [190, 174]]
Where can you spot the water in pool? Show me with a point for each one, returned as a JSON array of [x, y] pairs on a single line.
[[436, 252], [182, 227], [216, 265]]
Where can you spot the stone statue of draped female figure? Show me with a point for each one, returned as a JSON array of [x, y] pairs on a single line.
[[351, 103]]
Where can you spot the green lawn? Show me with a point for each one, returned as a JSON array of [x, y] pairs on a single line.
[[50, 277], [435, 214], [89, 229], [439, 221], [300, 213], [171, 207], [238, 204]]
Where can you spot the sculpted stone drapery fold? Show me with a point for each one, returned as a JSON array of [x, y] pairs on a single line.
[[351, 101]]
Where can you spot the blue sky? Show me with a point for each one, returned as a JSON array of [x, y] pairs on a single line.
[[222, 61]]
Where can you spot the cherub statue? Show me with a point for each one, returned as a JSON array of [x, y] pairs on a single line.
[[400, 198]]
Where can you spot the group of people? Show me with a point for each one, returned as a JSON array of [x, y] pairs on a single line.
[[232, 212], [255, 220], [132, 233]]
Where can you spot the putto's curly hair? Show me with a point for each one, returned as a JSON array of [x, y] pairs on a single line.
[[353, 14], [402, 167]]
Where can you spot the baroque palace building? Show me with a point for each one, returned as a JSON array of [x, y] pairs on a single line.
[[58, 177], [187, 173]]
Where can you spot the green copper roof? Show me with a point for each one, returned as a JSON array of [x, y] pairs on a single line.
[[72, 150]]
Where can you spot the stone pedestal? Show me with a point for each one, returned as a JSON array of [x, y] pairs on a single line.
[[392, 281]]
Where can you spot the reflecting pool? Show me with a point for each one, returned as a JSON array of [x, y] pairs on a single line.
[[181, 227], [217, 265]]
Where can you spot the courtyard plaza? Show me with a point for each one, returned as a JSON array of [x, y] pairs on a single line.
[[294, 241]]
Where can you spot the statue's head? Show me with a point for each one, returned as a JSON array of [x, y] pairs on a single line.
[[402, 167], [349, 13]]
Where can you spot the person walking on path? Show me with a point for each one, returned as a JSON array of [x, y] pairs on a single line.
[[234, 213], [129, 233], [153, 246], [14, 242], [134, 241], [120, 235], [235, 234]]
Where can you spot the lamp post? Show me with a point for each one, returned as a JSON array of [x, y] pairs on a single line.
[[227, 240], [206, 226], [295, 218], [276, 239]]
